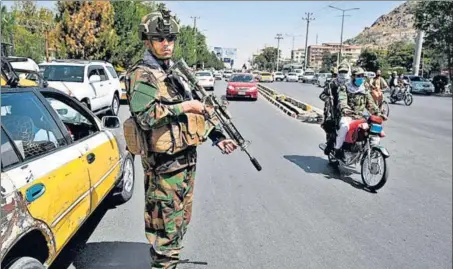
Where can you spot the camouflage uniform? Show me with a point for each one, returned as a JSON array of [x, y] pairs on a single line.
[[353, 101], [168, 138]]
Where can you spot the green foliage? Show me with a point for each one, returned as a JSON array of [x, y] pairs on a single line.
[[435, 18], [267, 59], [94, 30], [329, 61]]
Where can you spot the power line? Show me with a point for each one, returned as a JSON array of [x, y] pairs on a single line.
[[342, 24], [308, 19]]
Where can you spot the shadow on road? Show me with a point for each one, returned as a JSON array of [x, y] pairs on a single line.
[[245, 99], [76, 245], [318, 165]]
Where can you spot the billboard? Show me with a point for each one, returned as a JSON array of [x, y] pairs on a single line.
[[226, 55], [218, 52]]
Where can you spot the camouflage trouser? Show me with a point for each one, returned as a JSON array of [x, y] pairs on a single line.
[[168, 209]]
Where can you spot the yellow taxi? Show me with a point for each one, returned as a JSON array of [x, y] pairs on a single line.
[[58, 163], [266, 77]]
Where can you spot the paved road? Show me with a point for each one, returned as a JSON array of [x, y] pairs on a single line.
[[296, 213]]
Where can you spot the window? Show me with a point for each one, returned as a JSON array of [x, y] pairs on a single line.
[[203, 74], [30, 125], [112, 71], [102, 73], [9, 156], [92, 71], [68, 73], [78, 125], [241, 78]]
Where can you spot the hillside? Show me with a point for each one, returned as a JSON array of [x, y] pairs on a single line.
[[397, 25]]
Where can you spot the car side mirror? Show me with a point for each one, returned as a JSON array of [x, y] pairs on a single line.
[[95, 78], [111, 122]]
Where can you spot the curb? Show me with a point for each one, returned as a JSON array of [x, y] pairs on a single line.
[[277, 104], [292, 107]]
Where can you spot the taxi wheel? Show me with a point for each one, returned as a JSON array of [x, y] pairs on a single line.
[[26, 263], [126, 188]]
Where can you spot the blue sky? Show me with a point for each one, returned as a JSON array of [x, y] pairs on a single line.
[[249, 25]]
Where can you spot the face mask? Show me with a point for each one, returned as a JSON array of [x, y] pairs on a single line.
[[358, 82]]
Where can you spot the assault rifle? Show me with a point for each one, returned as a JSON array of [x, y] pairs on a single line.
[[219, 110]]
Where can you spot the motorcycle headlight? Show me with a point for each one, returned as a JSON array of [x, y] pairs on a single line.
[[375, 140]]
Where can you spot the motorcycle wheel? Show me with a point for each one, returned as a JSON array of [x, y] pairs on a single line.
[[385, 174], [385, 108], [333, 162], [408, 99]]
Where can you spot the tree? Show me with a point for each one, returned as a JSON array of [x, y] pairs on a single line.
[[85, 29], [7, 23], [369, 60], [436, 20], [401, 54]]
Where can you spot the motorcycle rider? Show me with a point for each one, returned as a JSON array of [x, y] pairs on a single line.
[[395, 82], [354, 99], [377, 84], [331, 109]]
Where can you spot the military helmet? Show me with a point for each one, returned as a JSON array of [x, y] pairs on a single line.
[[158, 24], [344, 66], [358, 71]]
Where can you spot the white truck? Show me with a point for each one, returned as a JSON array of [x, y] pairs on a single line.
[[308, 75]]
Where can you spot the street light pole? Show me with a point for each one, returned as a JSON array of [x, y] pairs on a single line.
[[293, 40], [342, 24], [278, 37]]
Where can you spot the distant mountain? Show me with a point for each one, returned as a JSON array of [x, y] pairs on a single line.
[[397, 25]]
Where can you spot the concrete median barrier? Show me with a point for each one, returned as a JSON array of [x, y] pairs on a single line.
[[291, 106]]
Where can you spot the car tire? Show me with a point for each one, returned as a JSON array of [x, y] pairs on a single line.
[[126, 188], [115, 105], [254, 99], [26, 263]]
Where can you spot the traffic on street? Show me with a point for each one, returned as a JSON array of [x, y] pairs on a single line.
[[137, 140]]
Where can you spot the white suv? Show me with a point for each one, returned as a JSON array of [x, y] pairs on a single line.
[[94, 83]]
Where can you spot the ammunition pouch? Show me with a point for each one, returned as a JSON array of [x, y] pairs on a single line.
[[176, 136], [135, 137]]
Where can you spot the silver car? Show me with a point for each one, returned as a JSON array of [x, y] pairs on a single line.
[[419, 84]]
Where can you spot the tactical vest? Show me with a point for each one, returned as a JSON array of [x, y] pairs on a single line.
[[173, 134]]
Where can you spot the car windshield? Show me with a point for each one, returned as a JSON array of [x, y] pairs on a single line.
[[279, 73], [298, 71], [291, 74], [203, 74], [68, 73], [309, 73], [242, 78], [415, 78], [328, 75], [265, 74]]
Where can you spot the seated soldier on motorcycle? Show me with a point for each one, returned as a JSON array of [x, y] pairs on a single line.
[[330, 98], [377, 84], [395, 82], [354, 99]]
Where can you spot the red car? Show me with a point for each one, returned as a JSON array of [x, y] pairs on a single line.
[[242, 85]]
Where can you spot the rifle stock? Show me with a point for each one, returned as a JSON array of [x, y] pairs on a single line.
[[218, 109]]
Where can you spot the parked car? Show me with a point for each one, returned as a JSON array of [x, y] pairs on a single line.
[[242, 85], [256, 75], [278, 76], [314, 80], [299, 73], [266, 77], [419, 84], [206, 79], [94, 83], [59, 162], [292, 76]]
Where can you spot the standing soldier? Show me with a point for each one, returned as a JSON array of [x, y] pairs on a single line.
[[165, 127]]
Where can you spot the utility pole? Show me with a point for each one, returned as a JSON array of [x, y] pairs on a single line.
[[418, 52], [308, 19], [293, 41], [195, 36], [278, 37], [316, 38], [342, 24]]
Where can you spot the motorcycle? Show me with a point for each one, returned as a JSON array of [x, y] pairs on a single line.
[[362, 145], [402, 94]]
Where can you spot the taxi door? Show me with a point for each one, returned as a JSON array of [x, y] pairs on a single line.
[[54, 183], [102, 155]]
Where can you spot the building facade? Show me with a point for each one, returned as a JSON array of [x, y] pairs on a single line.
[[298, 55], [316, 52]]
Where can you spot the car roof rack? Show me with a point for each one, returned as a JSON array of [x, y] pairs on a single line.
[[16, 59], [79, 61]]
